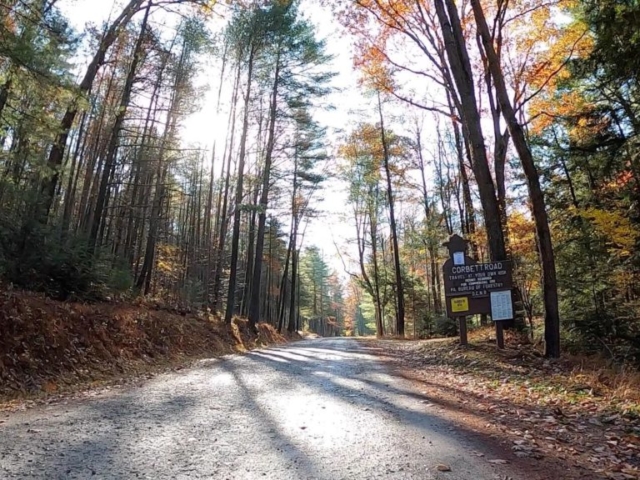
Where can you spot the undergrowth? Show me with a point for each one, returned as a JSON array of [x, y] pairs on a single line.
[[572, 378]]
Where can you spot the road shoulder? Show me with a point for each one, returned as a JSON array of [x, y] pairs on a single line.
[[531, 434]]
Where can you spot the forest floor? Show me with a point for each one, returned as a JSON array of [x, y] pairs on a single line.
[[573, 415], [51, 349]]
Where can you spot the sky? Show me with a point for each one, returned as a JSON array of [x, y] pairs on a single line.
[[331, 228]]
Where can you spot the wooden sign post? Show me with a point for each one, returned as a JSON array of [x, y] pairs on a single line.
[[473, 288]]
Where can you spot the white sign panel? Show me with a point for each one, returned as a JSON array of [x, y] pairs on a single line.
[[501, 306], [458, 258]]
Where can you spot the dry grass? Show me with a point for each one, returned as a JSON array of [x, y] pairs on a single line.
[[575, 375], [618, 383], [579, 415]]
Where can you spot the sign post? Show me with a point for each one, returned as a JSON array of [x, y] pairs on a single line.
[[473, 288]]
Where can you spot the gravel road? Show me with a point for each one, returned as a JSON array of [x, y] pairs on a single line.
[[317, 409]]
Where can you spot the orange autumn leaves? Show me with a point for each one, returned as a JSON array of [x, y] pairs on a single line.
[[376, 72], [364, 143], [399, 45]]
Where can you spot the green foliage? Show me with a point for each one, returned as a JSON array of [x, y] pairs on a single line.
[[314, 274], [37, 258], [59, 270], [591, 164], [192, 291], [616, 28], [320, 288], [445, 326], [36, 40], [366, 316], [119, 279]]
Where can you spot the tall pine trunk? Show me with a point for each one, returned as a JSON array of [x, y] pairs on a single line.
[[143, 283], [112, 149], [254, 306], [222, 218], [235, 240]]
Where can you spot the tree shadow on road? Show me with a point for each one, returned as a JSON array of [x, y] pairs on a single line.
[[94, 438], [383, 394]]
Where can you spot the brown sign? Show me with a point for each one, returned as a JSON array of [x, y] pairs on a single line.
[[476, 280], [474, 288]]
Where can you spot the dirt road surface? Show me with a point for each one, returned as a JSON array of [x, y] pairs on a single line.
[[318, 409]]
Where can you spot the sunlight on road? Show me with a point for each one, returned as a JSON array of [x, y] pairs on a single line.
[[320, 409]]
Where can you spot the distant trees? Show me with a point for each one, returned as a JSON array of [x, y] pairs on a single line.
[[373, 156], [321, 299]]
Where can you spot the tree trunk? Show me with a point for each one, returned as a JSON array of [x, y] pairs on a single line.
[[460, 64], [112, 149], [141, 172], [4, 91], [251, 247], [545, 246], [74, 172], [254, 308], [144, 278], [283, 283], [376, 273], [394, 229], [291, 326], [233, 275], [461, 150], [223, 211], [58, 149]]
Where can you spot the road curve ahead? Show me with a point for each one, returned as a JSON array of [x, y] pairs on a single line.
[[318, 409]]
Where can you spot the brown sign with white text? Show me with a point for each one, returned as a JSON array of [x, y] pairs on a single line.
[[475, 288]]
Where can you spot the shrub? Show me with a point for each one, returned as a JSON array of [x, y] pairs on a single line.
[[62, 266]]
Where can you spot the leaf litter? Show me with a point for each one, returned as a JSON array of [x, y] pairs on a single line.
[[51, 349], [568, 413]]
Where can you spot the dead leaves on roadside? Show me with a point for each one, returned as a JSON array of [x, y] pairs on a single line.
[[52, 348], [539, 408]]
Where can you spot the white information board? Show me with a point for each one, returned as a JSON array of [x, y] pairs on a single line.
[[501, 305], [458, 258]]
